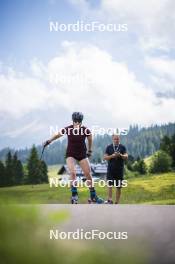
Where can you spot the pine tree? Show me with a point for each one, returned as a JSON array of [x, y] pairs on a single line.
[[172, 150], [43, 172], [165, 144], [142, 168], [139, 166], [37, 170], [168, 145], [33, 166], [130, 162], [161, 162], [18, 170], [9, 173], [2, 174], [139, 142]]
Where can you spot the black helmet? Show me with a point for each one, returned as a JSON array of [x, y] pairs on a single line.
[[77, 117]]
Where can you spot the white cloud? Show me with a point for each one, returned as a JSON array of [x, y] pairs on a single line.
[[106, 90], [152, 42], [134, 9], [162, 66], [20, 95], [162, 75], [113, 91], [152, 21], [37, 68]]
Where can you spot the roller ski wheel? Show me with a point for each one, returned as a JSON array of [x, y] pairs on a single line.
[[96, 200], [74, 200], [108, 202]]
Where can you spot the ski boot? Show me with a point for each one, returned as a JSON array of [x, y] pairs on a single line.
[[74, 199], [95, 200], [108, 202]]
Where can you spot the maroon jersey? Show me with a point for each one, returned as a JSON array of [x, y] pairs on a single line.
[[76, 141]]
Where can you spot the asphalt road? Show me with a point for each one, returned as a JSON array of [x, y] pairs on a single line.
[[149, 227]]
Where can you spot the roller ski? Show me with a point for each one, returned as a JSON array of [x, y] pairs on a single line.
[[95, 200], [74, 199], [108, 202]]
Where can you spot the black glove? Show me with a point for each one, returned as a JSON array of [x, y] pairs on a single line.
[[46, 143], [89, 153]]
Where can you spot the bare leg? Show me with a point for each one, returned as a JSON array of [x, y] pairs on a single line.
[[118, 194], [85, 166], [110, 193], [71, 166]]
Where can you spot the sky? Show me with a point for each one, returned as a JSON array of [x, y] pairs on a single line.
[[115, 78]]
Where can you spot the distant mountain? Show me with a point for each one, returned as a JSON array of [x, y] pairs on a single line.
[[140, 142]]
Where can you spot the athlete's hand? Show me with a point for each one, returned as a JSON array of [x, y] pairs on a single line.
[[46, 143], [89, 153]]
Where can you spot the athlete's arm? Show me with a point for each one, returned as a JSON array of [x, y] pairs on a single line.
[[56, 136], [89, 139]]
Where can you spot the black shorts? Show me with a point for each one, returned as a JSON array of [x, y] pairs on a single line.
[[78, 158], [115, 180]]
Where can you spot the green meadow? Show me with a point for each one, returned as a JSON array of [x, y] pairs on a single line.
[[149, 189]]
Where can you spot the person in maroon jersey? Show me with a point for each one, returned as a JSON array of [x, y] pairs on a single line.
[[77, 151]]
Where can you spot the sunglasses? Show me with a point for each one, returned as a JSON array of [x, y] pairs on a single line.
[[77, 121]]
